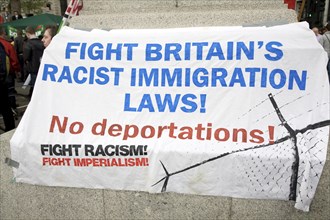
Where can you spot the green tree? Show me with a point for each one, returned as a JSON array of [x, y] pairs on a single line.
[[28, 6], [33, 6], [15, 5]]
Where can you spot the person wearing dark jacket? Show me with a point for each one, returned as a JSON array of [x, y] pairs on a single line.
[[6, 102], [16, 16], [32, 53], [18, 44]]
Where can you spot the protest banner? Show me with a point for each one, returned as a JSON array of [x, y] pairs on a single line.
[[228, 111]]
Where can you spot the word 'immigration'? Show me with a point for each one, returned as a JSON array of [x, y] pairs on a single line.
[[178, 77]]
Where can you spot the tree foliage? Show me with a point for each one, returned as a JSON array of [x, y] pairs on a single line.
[[33, 6], [27, 6]]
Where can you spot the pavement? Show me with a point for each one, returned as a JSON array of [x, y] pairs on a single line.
[[22, 100]]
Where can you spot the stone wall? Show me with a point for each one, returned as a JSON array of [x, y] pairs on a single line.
[[114, 14]]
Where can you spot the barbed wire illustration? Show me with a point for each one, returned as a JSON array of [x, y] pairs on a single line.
[[290, 135]]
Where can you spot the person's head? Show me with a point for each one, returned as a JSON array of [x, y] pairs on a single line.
[[3, 34], [322, 30], [49, 33], [327, 27], [15, 12], [30, 32], [19, 32], [316, 31]]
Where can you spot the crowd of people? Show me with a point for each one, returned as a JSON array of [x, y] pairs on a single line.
[[21, 60], [5, 16]]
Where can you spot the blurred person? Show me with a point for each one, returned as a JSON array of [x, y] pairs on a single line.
[[322, 30], [12, 68], [317, 33], [11, 79], [5, 109], [32, 53], [6, 16], [16, 16], [18, 44], [325, 42], [50, 32]]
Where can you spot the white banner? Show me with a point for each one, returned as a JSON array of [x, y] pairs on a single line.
[[230, 111]]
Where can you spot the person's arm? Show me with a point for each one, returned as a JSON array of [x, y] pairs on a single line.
[[16, 46], [27, 52], [14, 63]]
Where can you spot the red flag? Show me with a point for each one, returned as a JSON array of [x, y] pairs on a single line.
[[73, 8]]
